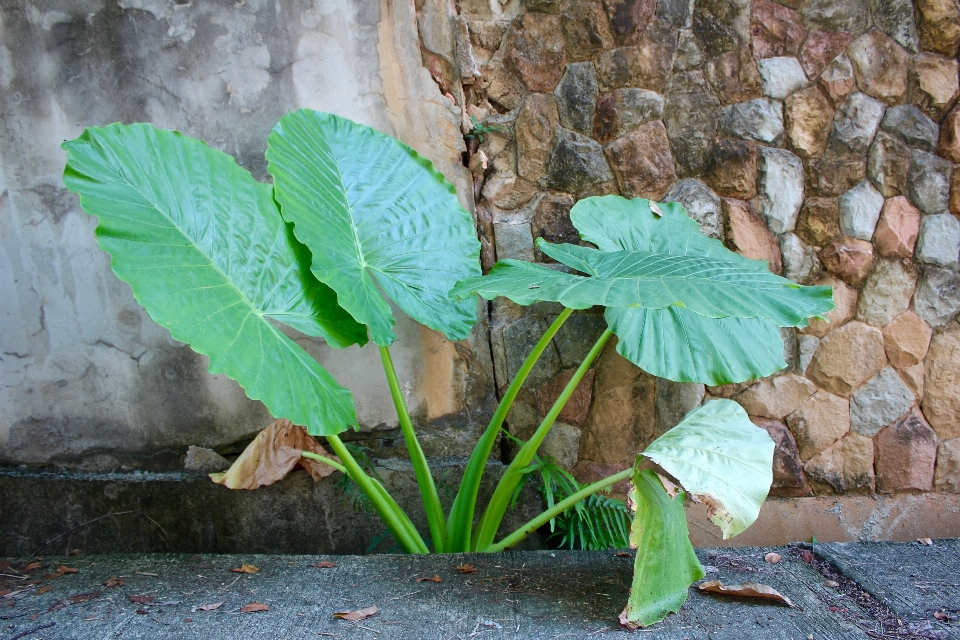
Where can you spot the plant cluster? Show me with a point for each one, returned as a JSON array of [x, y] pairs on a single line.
[[355, 220]]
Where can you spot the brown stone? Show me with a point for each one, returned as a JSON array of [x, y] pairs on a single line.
[[552, 223], [913, 378], [789, 480], [731, 169], [939, 26], [830, 177], [880, 65], [941, 395], [847, 358], [933, 85], [955, 191], [948, 465], [819, 422], [501, 86], [819, 221], [487, 34], [838, 79], [849, 258], [729, 390], [588, 472], [622, 419], [645, 66], [777, 30], [629, 18], [586, 31], [905, 453], [642, 162], [536, 122], [749, 236], [509, 192], [734, 76], [808, 118], [949, 144], [577, 407], [897, 230], [846, 467], [623, 109], [888, 165], [845, 307], [536, 51], [776, 397], [820, 48], [906, 339]]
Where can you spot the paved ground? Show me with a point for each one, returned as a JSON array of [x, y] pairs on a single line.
[[872, 591]]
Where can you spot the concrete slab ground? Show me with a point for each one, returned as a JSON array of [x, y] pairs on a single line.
[[532, 594]]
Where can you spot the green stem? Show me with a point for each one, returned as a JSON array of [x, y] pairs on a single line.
[[386, 507], [557, 509], [493, 516], [460, 523], [325, 460], [428, 490]]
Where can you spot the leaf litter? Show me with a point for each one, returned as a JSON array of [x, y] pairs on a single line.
[[357, 614], [245, 568], [746, 590]]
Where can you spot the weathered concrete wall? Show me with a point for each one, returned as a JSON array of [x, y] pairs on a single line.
[[86, 378]]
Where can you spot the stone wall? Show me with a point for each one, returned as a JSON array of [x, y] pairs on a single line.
[[817, 135]]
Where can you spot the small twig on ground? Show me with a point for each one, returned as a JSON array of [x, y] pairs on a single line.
[[7, 575], [24, 634]]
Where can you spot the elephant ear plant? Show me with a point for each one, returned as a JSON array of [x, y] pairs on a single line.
[[355, 221]]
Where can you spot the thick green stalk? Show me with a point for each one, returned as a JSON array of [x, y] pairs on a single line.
[[428, 490], [557, 509], [386, 507], [325, 460], [493, 516], [460, 523]]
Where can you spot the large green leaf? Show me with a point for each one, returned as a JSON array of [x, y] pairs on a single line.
[[665, 565], [717, 454], [374, 212], [204, 248]]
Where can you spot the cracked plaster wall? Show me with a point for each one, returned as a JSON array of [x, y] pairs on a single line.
[[86, 378]]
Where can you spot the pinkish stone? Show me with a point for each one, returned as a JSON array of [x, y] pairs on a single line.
[[933, 84], [905, 454], [535, 51], [880, 65], [820, 48], [949, 145], [577, 407], [847, 358], [789, 480], [897, 230], [849, 258], [777, 30], [749, 236], [838, 79], [906, 339], [845, 307]]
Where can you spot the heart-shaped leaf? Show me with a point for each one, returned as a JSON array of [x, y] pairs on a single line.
[[374, 212], [204, 248]]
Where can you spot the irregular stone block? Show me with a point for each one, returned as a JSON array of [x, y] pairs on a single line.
[[487, 34], [624, 109], [819, 422], [937, 299], [702, 204], [846, 467], [577, 97], [721, 25], [837, 79], [537, 120], [678, 13], [905, 455], [819, 221], [808, 118], [897, 231], [585, 30], [836, 15], [749, 236], [895, 18], [513, 241], [781, 185], [933, 84], [911, 126], [880, 65], [535, 50], [629, 18], [734, 76], [845, 307], [879, 402], [929, 182], [800, 262], [575, 162], [939, 26], [820, 48], [776, 397], [941, 395], [848, 357], [508, 191], [642, 162], [859, 211], [887, 291], [577, 407], [502, 86], [777, 30], [939, 241], [690, 115], [646, 65], [829, 177], [689, 55], [562, 443], [806, 347], [781, 76], [948, 466], [789, 480], [888, 165], [675, 400], [760, 120], [551, 221], [854, 125], [849, 258], [913, 377], [949, 143], [203, 459], [906, 340], [731, 169]]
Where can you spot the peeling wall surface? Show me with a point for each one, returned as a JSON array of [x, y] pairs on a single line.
[[86, 378]]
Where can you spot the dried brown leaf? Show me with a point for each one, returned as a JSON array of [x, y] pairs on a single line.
[[466, 568], [625, 622], [44, 589], [141, 599], [61, 571], [272, 455], [925, 541], [245, 568], [210, 607], [436, 578], [85, 597], [747, 590], [115, 581], [772, 558], [354, 616], [254, 607], [4, 592], [324, 564], [33, 566], [806, 555], [624, 554]]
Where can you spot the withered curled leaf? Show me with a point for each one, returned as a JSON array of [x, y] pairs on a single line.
[[747, 589]]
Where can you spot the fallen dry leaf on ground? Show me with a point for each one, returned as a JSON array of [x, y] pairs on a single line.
[[254, 607], [62, 570], [625, 554], [141, 599], [84, 597], [806, 555], [115, 581], [245, 568], [45, 589], [359, 614], [325, 564], [772, 558], [926, 541], [747, 590], [4, 592], [272, 455], [33, 566], [466, 568], [210, 607], [436, 578]]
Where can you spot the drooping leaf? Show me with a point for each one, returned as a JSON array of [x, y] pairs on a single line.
[[374, 212], [204, 248], [665, 565], [724, 459]]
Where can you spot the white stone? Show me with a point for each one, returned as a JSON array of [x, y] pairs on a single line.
[[701, 203], [781, 76], [887, 291], [781, 185], [939, 240], [760, 120], [854, 125], [879, 402], [806, 347], [800, 262], [928, 184], [859, 211]]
